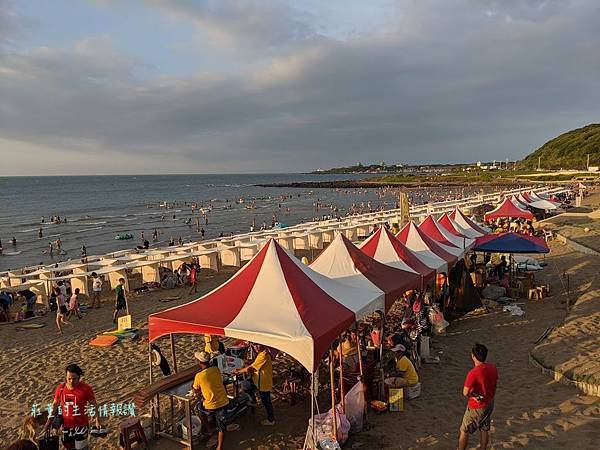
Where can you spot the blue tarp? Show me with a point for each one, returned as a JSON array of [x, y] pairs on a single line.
[[510, 243]]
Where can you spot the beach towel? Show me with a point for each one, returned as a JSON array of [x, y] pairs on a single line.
[[104, 340]]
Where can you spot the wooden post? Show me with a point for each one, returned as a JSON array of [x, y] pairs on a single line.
[[332, 382], [342, 399], [172, 338]]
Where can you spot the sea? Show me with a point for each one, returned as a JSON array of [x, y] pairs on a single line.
[[98, 208]]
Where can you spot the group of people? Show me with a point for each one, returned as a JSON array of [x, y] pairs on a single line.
[[208, 385], [504, 224]]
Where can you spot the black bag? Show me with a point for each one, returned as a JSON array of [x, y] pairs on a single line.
[[48, 442]]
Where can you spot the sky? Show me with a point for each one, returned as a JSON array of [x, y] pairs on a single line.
[[256, 86]]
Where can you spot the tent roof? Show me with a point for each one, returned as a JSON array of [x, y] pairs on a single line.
[[273, 300], [452, 227], [387, 248], [518, 203], [510, 243], [425, 248], [449, 242], [508, 209], [466, 223], [346, 263]]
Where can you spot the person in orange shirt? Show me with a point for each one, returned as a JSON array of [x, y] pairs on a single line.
[[262, 381]]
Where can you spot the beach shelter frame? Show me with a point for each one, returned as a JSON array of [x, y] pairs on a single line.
[[307, 291]]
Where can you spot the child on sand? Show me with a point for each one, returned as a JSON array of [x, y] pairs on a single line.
[[74, 304]]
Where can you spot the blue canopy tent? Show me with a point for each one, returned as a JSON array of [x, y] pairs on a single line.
[[510, 243]]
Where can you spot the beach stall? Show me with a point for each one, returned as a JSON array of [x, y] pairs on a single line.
[[346, 263], [386, 248], [467, 224], [273, 300], [448, 241], [301, 241], [426, 249], [508, 209], [454, 228]]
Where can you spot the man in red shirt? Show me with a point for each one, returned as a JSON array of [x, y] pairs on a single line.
[[480, 388], [77, 402]]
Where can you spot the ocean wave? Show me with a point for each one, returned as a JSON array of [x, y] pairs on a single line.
[[28, 230], [88, 229]]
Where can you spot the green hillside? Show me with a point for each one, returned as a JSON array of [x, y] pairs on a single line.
[[568, 151]]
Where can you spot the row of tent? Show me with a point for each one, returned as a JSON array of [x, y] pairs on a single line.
[[277, 301], [516, 206]]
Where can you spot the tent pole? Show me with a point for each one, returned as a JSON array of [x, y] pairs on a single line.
[[150, 376], [313, 399], [172, 338], [342, 397], [381, 339], [332, 382], [360, 368]]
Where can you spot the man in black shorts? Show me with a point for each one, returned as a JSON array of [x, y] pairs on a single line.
[[120, 300], [77, 401]]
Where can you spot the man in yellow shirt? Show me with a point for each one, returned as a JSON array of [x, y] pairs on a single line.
[[405, 373], [349, 352], [262, 381], [211, 343], [209, 383]]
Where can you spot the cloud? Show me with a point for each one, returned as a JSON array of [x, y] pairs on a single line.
[[254, 25], [445, 85]]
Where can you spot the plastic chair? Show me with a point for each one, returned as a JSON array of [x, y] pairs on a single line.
[[130, 432]]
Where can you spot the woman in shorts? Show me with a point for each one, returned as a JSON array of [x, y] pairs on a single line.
[[61, 312]]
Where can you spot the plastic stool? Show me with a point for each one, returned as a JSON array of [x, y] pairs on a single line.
[[131, 431], [534, 294]]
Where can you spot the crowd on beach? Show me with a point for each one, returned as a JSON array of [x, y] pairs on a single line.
[[404, 336]]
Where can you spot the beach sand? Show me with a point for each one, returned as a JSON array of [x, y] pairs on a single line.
[[531, 409]]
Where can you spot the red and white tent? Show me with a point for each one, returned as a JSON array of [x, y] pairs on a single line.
[[346, 263], [273, 300], [449, 242], [387, 249], [518, 203], [466, 223], [425, 248], [539, 203], [454, 228], [508, 209]]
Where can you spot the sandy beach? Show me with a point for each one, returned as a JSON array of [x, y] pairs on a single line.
[[532, 410]]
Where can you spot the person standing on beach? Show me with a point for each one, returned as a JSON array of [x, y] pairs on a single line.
[[96, 290], [61, 311], [480, 389], [261, 381], [74, 305], [120, 300], [77, 402]]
